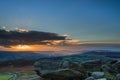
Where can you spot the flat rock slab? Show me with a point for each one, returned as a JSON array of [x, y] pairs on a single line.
[[97, 75], [90, 78], [102, 79]]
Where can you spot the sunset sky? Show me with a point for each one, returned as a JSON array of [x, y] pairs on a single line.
[[83, 20]]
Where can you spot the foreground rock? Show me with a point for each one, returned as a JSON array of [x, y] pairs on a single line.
[[65, 74], [97, 75], [90, 78], [112, 66], [102, 79], [92, 64], [117, 77], [59, 70], [66, 70]]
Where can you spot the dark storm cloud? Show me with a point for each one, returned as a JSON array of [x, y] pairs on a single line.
[[8, 38]]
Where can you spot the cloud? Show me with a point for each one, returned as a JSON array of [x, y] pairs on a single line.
[[21, 36]]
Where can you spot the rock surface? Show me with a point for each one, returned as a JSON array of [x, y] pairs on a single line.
[[117, 77], [67, 70], [60, 70], [64, 74], [112, 66], [92, 64], [97, 75], [102, 79], [90, 78]]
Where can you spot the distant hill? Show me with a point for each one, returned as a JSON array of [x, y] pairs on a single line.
[[8, 55], [18, 59], [17, 63], [110, 54], [90, 55], [93, 55]]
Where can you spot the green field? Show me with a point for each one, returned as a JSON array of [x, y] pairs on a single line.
[[110, 76], [26, 75], [5, 76], [21, 75]]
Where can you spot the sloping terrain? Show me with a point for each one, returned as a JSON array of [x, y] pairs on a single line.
[[8, 55]]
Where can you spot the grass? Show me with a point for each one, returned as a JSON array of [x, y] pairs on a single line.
[[5, 76], [109, 76], [26, 74], [20, 75]]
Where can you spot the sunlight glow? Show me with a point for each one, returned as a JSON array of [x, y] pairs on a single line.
[[22, 30], [32, 48], [23, 47]]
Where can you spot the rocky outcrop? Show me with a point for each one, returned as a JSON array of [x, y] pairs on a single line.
[[67, 70], [63, 74], [97, 75], [90, 78], [102, 79], [112, 66], [117, 77], [59, 70], [92, 64]]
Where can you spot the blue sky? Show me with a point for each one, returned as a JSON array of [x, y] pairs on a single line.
[[86, 20]]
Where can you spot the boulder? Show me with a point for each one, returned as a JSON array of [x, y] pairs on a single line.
[[116, 66], [112, 66], [76, 66], [102, 79], [63, 74], [92, 64], [117, 77], [97, 75], [66, 64], [90, 78], [58, 69], [108, 68]]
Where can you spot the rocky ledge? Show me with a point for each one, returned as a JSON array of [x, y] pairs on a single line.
[[68, 70]]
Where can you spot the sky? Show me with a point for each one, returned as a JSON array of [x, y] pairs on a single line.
[[84, 20]]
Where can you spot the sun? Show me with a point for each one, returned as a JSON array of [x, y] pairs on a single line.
[[23, 47]]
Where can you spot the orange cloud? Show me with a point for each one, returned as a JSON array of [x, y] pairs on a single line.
[[31, 48]]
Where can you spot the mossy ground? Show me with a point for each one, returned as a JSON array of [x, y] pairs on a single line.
[[26, 74], [109, 76], [5, 76]]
